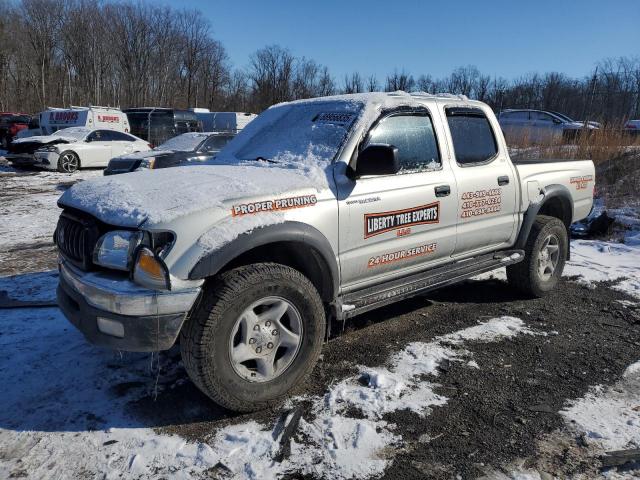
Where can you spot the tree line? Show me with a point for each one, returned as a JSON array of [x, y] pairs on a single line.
[[127, 53]]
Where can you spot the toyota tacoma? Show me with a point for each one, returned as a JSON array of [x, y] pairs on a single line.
[[319, 210]]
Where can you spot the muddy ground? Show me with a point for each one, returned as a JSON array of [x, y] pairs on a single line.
[[499, 414], [504, 413]]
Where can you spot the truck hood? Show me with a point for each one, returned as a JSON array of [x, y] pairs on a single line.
[[155, 197]]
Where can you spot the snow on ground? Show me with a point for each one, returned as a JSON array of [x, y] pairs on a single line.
[[597, 261], [594, 261], [610, 416], [28, 204], [68, 411]]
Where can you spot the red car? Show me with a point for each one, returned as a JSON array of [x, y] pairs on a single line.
[[10, 125]]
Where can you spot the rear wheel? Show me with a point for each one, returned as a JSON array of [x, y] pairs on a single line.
[[68, 162], [545, 256], [256, 334]]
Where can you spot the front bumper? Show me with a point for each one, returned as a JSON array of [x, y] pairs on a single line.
[[22, 159], [114, 312], [47, 159]]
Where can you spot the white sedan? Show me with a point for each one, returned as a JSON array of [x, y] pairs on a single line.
[[69, 149]]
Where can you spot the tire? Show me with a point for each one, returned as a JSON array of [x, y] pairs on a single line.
[[68, 162], [542, 266], [219, 334]]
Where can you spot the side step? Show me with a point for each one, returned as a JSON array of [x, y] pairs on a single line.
[[360, 301]]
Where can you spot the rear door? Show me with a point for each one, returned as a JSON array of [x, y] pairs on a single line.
[[486, 179], [391, 225], [98, 151], [121, 143]]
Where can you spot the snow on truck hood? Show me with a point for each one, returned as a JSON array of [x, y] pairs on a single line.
[[159, 196]]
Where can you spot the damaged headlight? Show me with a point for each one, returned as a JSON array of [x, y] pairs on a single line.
[[116, 249], [48, 148], [150, 271]]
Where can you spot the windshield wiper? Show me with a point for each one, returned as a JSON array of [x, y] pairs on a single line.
[[264, 159]]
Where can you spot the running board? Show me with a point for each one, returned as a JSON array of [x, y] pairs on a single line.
[[361, 301]]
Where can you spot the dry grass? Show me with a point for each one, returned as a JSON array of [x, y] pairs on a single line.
[[616, 156]]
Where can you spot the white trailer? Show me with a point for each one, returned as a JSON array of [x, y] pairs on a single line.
[[54, 119], [222, 121]]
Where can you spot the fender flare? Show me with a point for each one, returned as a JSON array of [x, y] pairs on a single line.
[[550, 191], [296, 232]]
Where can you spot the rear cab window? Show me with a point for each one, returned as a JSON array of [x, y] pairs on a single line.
[[474, 142]]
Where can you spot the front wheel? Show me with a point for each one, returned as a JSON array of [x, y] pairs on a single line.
[[545, 256], [255, 335], [68, 162]]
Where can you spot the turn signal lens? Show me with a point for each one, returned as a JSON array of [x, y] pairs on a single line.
[[150, 271]]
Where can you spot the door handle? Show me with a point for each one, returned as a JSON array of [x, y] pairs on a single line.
[[442, 190], [503, 180]]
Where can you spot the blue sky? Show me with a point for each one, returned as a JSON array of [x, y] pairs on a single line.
[[501, 37]]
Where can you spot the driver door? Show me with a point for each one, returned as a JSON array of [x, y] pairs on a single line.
[[392, 225]]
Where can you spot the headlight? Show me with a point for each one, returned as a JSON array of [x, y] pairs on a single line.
[[150, 271], [148, 162], [48, 148], [116, 249]]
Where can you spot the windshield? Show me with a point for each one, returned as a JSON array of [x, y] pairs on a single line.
[[563, 117], [74, 132], [187, 142], [295, 132]]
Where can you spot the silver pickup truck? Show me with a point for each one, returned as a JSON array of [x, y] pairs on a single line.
[[319, 210]]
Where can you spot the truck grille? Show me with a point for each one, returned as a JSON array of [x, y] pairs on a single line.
[[76, 238]]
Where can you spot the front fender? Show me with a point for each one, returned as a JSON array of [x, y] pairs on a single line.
[[212, 262]]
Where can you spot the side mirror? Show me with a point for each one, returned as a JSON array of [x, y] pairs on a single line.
[[88, 140], [378, 159], [556, 121]]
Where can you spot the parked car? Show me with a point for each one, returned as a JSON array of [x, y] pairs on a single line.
[[33, 128], [319, 210], [157, 125], [540, 127], [632, 127], [70, 149], [10, 125], [184, 149]]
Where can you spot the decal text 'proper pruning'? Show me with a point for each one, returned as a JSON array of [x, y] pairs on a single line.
[[275, 205]]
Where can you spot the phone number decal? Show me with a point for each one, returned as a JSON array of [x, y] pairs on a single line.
[[481, 202]]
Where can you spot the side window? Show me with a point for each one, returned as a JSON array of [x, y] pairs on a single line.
[[541, 117], [473, 139], [414, 137], [121, 137], [96, 136], [520, 116], [215, 143]]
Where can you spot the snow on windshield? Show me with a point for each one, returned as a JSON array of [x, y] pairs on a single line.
[[74, 132], [296, 133], [186, 142]]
